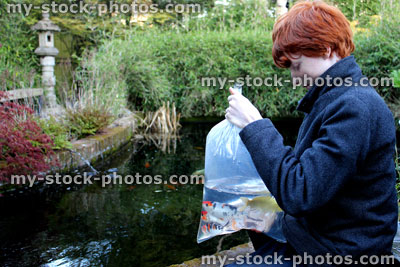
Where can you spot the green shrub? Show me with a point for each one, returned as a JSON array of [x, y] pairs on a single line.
[[396, 78], [158, 65], [19, 66], [58, 132], [377, 55], [378, 47], [249, 14], [377, 52], [359, 10], [87, 120]]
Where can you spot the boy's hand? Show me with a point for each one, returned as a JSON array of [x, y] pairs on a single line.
[[240, 111]]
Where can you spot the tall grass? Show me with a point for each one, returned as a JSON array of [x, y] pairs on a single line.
[[98, 83]]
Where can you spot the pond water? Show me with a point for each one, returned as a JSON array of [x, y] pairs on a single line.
[[117, 225]]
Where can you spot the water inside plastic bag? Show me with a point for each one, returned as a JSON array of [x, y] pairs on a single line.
[[234, 195], [224, 212]]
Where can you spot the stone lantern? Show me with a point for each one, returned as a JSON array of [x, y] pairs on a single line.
[[47, 53]]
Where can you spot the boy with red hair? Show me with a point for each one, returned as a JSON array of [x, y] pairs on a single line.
[[337, 186]]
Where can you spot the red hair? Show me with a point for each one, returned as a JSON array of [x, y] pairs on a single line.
[[309, 28]]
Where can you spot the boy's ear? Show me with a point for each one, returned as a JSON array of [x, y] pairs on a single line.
[[328, 53]]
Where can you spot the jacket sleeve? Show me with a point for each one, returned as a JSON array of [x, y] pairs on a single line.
[[303, 184]]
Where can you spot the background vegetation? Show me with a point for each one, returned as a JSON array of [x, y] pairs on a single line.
[[119, 62], [167, 65], [164, 57]]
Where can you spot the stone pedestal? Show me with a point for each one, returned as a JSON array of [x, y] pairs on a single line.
[[49, 80], [47, 53]]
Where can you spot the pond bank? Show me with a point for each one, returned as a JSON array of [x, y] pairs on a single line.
[[248, 248], [225, 254], [98, 146]]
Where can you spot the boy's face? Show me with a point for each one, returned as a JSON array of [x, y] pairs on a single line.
[[307, 69]]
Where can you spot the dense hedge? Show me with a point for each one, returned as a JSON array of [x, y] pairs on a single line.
[[378, 52], [161, 66], [157, 66], [19, 65]]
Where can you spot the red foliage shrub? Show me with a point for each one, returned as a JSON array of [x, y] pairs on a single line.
[[25, 149]]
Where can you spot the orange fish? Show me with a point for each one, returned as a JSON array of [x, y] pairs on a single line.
[[204, 215], [131, 187], [207, 203], [234, 227], [200, 181], [170, 186], [211, 227], [147, 165]]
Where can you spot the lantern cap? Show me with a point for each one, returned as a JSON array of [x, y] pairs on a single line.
[[45, 24]]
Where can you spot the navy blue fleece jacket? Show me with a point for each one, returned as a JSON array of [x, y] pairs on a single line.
[[337, 186]]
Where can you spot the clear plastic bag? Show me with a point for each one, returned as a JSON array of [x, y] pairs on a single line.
[[234, 195]]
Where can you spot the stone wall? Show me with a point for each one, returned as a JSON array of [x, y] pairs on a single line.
[[95, 147]]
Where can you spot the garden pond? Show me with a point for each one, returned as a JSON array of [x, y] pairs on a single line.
[[121, 224]]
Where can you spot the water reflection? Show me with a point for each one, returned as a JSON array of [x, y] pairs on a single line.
[[118, 225]]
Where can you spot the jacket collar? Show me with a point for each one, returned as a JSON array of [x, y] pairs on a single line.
[[346, 67]]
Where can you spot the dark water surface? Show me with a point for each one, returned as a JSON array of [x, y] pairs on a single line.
[[117, 225]]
